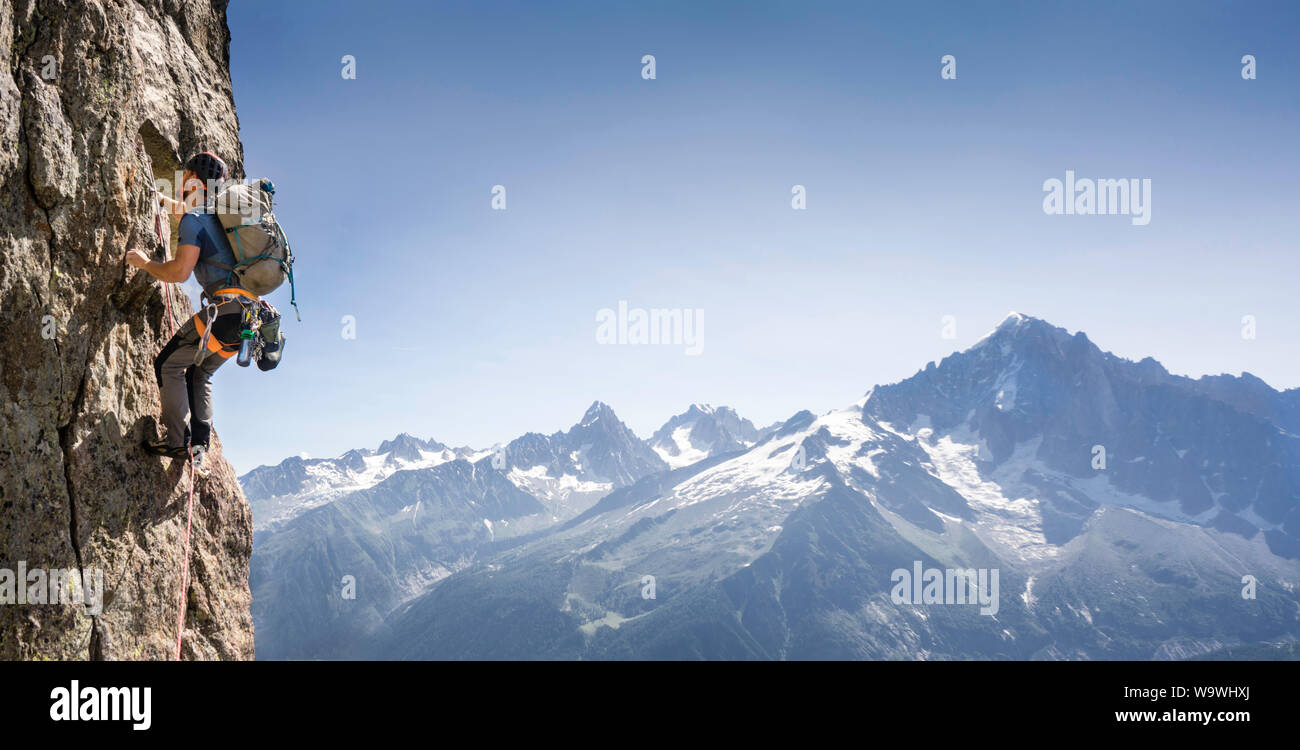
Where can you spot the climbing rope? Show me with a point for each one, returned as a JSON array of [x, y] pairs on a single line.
[[166, 288], [167, 302], [185, 567], [159, 230]]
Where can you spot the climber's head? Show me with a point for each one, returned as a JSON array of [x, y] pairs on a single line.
[[201, 170]]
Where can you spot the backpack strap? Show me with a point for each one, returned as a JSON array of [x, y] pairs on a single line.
[[217, 264], [232, 276], [238, 248], [288, 272]]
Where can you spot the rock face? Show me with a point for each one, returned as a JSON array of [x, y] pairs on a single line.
[[97, 99]]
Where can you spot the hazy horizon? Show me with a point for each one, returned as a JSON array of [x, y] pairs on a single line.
[[644, 432]]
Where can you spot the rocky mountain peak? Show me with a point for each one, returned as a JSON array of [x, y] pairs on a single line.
[[1023, 334], [599, 411], [404, 447], [700, 432]]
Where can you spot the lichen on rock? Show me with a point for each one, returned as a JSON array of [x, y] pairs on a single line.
[[97, 98]]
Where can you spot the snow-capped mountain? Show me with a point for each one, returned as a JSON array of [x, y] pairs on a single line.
[[701, 432], [569, 471], [388, 542], [409, 514], [279, 493], [1074, 427], [1122, 507], [988, 460]]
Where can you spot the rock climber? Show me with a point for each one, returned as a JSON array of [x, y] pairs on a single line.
[[184, 377]]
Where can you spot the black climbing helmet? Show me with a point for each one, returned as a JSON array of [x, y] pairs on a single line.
[[207, 166]]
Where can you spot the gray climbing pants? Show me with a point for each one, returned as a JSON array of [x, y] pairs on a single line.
[[186, 388]]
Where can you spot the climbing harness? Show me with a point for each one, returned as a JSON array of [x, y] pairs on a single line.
[[221, 303], [185, 567]]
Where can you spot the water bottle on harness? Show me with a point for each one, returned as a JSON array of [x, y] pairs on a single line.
[[247, 340]]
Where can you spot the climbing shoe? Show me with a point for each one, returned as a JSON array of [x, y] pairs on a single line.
[[161, 448]]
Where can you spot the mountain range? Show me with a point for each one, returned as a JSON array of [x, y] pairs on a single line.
[[1121, 512]]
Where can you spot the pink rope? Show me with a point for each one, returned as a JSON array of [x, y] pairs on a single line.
[[185, 568]]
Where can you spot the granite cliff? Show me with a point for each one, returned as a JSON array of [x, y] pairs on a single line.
[[98, 98]]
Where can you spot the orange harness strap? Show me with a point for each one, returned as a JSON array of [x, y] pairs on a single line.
[[214, 346], [235, 292]]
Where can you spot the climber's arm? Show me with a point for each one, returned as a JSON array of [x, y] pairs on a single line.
[[179, 268], [175, 270], [170, 206]]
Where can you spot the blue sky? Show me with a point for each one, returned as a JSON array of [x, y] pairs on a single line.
[[924, 199]]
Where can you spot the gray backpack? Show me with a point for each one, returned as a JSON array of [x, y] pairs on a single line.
[[263, 259]]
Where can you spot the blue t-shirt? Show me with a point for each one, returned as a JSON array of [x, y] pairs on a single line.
[[198, 227]]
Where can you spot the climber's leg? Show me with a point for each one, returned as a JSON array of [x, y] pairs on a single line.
[[169, 367], [199, 379]]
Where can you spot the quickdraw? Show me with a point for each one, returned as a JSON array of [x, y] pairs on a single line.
[[205, 334]]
